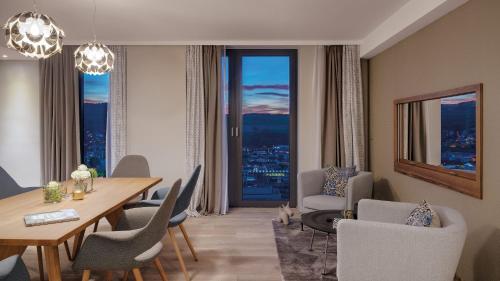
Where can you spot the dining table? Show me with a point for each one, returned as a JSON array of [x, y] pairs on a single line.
[[108, 199]]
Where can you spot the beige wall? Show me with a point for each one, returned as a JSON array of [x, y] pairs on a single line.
[[157, 108], [459, 49], [20, 121]]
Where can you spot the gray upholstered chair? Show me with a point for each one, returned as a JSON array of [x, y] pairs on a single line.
[[13, 269], [129, 249], [137, 217], [310, 184], [379, 246], [8, 188]]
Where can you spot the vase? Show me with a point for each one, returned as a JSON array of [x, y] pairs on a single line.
[[90, 187], [79, 189], [52, 194]]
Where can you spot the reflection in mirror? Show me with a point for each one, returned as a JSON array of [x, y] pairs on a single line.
[[439, 132]]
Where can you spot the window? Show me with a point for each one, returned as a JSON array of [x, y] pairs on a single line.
[[94, 96]]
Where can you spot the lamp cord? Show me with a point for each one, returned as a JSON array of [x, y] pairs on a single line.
[[35, 7]]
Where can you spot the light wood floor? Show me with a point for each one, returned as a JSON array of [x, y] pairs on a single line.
[[236, 247]]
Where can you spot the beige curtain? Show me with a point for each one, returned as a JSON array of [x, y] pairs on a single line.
[[212, 86], [416, 133], [332, 140], [60, 115]]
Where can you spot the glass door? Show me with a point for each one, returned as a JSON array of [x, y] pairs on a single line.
[[262, 127]]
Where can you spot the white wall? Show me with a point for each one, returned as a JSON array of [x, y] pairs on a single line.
[[156, 104], [20, 121]]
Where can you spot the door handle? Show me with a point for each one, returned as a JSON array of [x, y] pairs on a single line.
[[237, 130], [232, 131]]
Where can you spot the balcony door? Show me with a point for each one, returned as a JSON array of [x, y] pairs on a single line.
[[261, 114]]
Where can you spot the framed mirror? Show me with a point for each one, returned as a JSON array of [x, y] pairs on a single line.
[[437, 138]]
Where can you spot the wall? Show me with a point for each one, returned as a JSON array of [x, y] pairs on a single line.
[[19, 121], [459, 49], [156, 103]]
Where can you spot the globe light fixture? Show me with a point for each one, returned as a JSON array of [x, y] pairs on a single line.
[[94, 58], [34, 35]]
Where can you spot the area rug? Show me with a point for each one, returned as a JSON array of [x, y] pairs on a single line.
[[296, 261]]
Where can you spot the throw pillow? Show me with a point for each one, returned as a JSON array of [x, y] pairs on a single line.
[[336, 180], [423, 215]]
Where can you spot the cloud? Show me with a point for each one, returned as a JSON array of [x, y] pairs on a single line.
[[281, 95], [264, 109], [275, 87], [459, 99]]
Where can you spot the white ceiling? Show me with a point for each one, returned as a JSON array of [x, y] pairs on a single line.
[[229, 22]]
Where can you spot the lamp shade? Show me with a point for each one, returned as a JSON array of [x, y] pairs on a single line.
[[94, 58], [34, 35]]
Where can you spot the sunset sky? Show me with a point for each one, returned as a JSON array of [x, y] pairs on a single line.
[[96, 88], [459, 99]]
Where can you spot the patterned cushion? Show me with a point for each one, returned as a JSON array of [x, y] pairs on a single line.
[[423, 215], [336, 180]]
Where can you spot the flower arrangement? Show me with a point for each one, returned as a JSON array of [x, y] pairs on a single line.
[[82, 173], [52, 192]]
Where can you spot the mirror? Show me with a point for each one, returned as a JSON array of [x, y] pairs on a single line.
[[437, 138]]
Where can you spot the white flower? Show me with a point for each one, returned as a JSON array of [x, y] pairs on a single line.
[[83, 167], [80, 175], [53, 184]]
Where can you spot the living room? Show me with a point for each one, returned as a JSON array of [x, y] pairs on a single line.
[[223, 140]]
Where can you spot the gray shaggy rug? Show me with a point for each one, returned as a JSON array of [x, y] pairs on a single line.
[[297, 262]]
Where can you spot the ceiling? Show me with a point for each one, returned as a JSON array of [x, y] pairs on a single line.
[[229, 22]]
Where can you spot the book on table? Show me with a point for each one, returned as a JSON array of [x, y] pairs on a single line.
[[63, 215]]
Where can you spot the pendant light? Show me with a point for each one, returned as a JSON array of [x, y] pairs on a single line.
[[33, 34], [94, 58]]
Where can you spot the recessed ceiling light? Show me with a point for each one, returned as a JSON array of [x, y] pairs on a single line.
[[5, 56]]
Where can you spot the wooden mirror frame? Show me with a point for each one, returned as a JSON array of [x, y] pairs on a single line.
[[464, 182]]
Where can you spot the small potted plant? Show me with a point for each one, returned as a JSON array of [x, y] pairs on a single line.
[[52, 192]]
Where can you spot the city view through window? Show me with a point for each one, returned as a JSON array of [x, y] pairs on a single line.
[[94, 96], [265, 128]]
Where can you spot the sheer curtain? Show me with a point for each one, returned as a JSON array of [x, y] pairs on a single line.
[[318, 91], [116, 132]]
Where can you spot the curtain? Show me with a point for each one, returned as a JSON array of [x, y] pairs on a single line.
[[318, 91], [332, 139], [211, 196], [60, 115], [195, 121], [365, 82], [416, 132], [116, 133], [353, 113]]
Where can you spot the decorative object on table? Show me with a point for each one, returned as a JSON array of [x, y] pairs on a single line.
[[283, 216], [287, 209], [94, 58], [336, 180], [297, 261], [81, 175], [423, 215], [33, 34], [63, 215], [93, 175], [52, 192]]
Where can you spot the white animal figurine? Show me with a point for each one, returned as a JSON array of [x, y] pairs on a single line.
[[288, 210], [283, 216]]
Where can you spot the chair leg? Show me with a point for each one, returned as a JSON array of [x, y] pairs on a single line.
[[86, 275], [125, 275], [109, 276], [178, 253], [158, 265], [66, 247], [40, 263], [137, 274], [96, 225], [188, 241]]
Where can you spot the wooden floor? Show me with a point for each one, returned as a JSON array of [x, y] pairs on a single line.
[[236, 247]]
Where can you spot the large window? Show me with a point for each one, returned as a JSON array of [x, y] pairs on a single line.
[[94, 96]]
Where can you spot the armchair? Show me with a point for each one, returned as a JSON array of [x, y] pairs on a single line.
[[309, 196], [378, 246]]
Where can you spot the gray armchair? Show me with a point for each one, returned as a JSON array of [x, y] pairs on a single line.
[[378, 246], [310, 184], [13, 269], [128, 250]]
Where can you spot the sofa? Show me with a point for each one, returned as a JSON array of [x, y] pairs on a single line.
[[310, 184], [379, 246]]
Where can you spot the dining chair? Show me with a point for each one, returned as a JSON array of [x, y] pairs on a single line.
[[128, 250], [13, 269], [8, 188], [137, 217]]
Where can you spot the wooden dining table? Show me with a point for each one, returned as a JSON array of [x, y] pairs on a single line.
[[107, 201]]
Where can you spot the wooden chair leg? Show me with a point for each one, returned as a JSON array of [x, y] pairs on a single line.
[[178, 253], [68, 252], [188, 241], [77, 244], [125, 275], [137, 274], [86, 275], [109, 276], [158, 265], [96, 225], [40, 262]]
